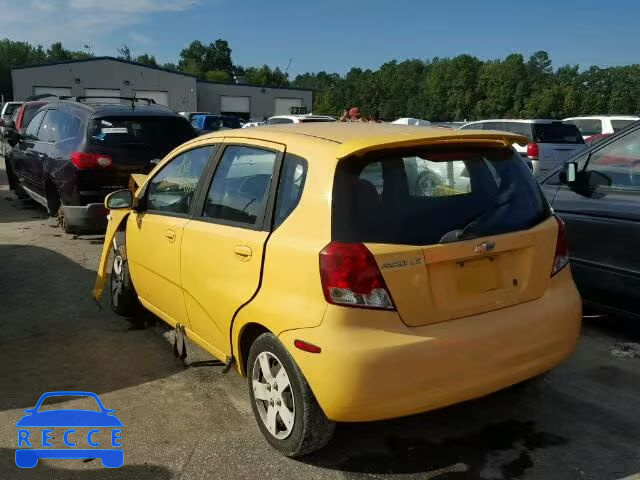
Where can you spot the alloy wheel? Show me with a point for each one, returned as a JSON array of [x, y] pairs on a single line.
[[273, 395]]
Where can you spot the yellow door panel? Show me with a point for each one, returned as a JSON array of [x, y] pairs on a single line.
[[221, 268], [153, 251], [116, 217]]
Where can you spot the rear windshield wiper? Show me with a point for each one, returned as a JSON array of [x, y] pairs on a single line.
[[502, 200]]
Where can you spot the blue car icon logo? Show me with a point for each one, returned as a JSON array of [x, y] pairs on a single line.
[[32, 445]]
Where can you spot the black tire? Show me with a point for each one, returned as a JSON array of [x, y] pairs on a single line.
[[124, 299], [53, 200], [311, 429], [65, 225]]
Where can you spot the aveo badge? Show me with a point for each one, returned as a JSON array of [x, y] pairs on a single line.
[[79, 434]]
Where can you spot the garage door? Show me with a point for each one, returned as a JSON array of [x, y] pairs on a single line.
[[283, 105], [103, 92], [161, 98], [230, 104], [58, 91]]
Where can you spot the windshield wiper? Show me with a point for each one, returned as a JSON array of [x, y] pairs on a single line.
[[503, 200]]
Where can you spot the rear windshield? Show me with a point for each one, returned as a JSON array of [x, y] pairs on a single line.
[[161, 133], [556, 132], [214, 123], [424, 197], [621, 124]]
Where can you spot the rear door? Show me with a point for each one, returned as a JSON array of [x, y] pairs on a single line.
[[25, 152], [505, 252], [155, 230], [603, 225], [223, 246]]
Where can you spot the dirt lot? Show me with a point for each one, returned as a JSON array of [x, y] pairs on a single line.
[[581, 421]]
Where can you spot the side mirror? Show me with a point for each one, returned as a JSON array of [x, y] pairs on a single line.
[[9, 124], [119, 200]]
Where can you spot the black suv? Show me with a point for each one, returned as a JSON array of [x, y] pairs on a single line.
[[73, 153]]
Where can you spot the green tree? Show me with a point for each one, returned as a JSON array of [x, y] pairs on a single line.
[[217, 76], [124, 52], [146, 59]]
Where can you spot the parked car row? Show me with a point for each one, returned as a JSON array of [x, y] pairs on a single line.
[[71, 154]]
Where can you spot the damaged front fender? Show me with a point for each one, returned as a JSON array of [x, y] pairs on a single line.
[[116, 218]]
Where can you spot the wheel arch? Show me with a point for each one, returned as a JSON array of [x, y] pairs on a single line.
[[247, 334]]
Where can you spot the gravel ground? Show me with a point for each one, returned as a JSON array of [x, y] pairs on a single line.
[[192, 421]]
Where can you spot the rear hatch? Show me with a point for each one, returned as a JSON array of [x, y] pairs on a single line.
[[557, 141], [134, 143], [455, 230]]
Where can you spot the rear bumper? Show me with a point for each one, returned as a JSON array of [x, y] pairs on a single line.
[[91, 217], [372, 367]]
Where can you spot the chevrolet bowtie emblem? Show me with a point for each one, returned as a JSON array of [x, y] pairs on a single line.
[[484, 247]]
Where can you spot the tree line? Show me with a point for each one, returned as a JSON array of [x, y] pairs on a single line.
[[440, 89]]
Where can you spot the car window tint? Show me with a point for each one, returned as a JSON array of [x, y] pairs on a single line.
[[556, 132], [240, 185], [618, 125], [292, 178], [495, 126], [32, 129], [436, 179], [276, 121], [58, 126], [619, 161], [520, 128], [588, 126], [171, 190], [427, 193]]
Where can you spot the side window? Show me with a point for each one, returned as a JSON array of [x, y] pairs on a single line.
[[520, 129], [240, 186], [502, 126], [32, 129], [171, 190], [58, 126], [619, 161], [292, 178], [278, 121], [589, 127]]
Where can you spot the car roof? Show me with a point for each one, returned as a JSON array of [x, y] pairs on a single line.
[[601, 117], [107, 109], [348, 138], [300, 117], [516, 120]]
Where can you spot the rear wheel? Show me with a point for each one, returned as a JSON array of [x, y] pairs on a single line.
[[285, 408], [53, 199], [124, 299]]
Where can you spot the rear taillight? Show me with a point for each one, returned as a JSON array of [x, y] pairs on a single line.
[[84, 161], [351, 277], [561, 258], [533, 151]]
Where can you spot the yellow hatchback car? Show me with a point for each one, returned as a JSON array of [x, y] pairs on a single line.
[[353, 272]]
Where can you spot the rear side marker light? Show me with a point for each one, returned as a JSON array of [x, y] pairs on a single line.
[[561, 258], [350, 277], [307, 347]]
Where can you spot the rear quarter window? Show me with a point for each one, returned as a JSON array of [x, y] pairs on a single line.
[[416, 197]]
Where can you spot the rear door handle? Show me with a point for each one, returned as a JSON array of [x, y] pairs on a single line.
[[243, 251], [170, 235]]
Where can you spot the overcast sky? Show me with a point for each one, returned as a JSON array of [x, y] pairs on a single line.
[[334, 35]]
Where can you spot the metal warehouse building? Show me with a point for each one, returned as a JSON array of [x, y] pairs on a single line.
[[107, 76]]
